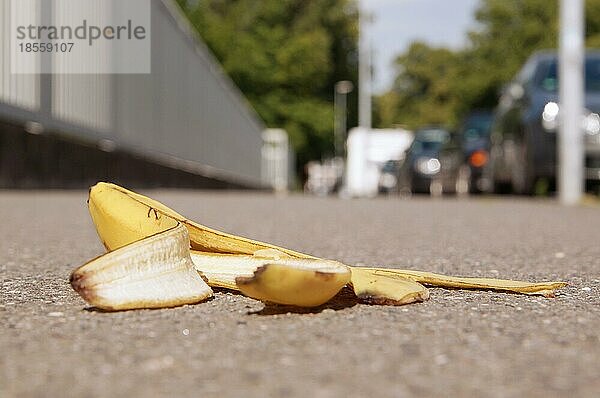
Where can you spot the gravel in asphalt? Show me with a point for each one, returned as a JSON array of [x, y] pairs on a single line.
[[459, 343]]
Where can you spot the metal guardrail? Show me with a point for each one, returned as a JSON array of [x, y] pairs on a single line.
[[187, 114]]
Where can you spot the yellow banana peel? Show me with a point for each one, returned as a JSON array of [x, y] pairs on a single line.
[[122, 217], [546, 289], [111, 200], [284, 283], [154, 272], [130, 224], [373, 287]]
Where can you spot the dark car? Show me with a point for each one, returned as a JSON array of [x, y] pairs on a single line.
[[432, 163], [525, 125], [475, 135]]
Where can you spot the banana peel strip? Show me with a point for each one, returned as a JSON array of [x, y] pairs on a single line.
[[374, 287], [202, 238], [284, 283], [546, 289], [268, 272], [271, 275], [154, 272]]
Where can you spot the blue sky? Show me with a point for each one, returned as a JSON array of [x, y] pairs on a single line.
[[397, 23]]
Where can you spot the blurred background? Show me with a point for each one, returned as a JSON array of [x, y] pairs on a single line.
[[340, 97]]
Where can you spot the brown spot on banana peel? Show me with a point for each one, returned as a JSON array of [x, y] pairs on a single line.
[[375, 299], [78, 283], [204, 278], [326, 276], [246, 280], [150, 210]]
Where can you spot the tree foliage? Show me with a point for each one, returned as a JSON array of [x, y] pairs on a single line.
[[438, 85], [423, 89], [285, 56]]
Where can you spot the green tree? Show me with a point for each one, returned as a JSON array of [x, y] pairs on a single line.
[[285, 56], [424, 88]]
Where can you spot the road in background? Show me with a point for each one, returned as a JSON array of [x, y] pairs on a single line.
[[459, 343]]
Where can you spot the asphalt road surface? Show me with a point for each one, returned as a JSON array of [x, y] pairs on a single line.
[[459, 343]]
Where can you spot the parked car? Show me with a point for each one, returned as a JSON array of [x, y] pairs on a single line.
[[475, 135], [432, 163], [524, 131]]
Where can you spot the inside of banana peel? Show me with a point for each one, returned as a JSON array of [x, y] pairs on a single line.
[[133, 225]]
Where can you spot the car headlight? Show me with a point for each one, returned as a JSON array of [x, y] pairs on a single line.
[[550, 116], [591, 124], [428, 166]]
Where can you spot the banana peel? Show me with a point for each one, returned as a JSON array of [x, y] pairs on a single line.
[[108, 202], [546, 289], [154, 272], [123, 217], [272, 275], [284, 284], [374, 287], [260, 270]]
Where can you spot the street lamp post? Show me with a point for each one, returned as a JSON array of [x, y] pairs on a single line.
[[571, 91], [341, 91], [364, 67]]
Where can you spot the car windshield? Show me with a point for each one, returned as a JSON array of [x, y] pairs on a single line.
[[549, 80], [429, 140], [477, 127]]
